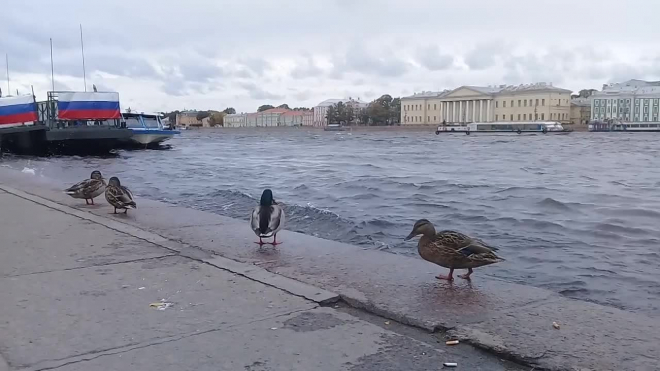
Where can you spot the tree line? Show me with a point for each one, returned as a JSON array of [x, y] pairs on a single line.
[[382, 111], [285, 106]]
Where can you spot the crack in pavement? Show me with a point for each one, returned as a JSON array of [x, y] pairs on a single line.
[[89, 266], [158, 341]]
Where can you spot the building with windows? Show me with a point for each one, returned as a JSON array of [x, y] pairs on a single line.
[[291, 118], [467, 104], [187, 118], [321, 110], [629, 101], [308, 118], [236, 120], [580, 111]]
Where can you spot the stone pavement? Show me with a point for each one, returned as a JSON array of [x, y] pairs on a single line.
[[94, 294]]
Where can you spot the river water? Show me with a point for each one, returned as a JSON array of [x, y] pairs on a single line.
[[577, 214]]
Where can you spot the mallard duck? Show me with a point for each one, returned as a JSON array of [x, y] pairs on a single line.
[[452, 250], [119, 196], [88, 188], [267, 219]]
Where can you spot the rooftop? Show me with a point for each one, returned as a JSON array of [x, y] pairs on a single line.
[[583, 102], [330, 102], [632, 86]]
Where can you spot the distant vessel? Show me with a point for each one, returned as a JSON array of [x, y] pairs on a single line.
[[630, 127], [334, 127], [147, 128], [505, 127]]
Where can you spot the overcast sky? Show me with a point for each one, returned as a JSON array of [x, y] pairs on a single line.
[[171, 54]]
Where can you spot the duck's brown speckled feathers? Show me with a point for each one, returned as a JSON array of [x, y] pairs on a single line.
[[88, 189], [119, 196], [456, 250]]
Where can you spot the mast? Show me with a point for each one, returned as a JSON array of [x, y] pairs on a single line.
[[52, 68], [7, 60], [82, 51]]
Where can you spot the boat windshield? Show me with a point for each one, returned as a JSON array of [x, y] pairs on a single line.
[[151, 122], [133, 122]]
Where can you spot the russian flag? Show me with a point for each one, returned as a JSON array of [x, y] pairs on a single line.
[[15, 111], [88, 106]]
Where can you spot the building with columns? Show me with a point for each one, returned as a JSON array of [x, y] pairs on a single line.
[[467, 104]]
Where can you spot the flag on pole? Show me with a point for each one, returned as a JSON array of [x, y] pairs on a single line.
[[88, 106], [14, 111]]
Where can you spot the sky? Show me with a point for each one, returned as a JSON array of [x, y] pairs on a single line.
[[170, 54]]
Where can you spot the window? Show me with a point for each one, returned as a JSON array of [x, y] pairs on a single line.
[[543, 102], [525, 102], [495, 115], [530, 102], [496, 103], [504, 104], [511, 117], [511, 102], [543, 116], [525, 115], [537, 102], [428, 118], [434, 118], [435, 106], [518, 114], [518, 102]]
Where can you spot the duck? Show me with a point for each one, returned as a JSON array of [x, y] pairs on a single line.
[[453, 250], [267, 218], [119, 196], [88, 188]]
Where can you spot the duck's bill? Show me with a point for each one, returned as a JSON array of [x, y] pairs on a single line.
[[409, 237]]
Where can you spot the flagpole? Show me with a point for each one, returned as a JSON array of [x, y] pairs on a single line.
[[82, 50], [7, 61], [52, 68]]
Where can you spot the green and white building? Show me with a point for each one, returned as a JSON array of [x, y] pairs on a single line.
[[629, 101]]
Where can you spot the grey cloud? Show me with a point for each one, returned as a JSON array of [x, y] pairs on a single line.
[[257, 93], [256, 65], [358, 59], [433, 59], [485, 55], [306, 68], [175, 87], [200, 71], [303, 95]]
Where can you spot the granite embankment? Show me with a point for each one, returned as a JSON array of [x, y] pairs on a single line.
[[513, 321]]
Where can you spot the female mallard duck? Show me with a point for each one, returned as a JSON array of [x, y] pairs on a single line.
[[452, 250], [267, 219], [88, 188], [119, 196]]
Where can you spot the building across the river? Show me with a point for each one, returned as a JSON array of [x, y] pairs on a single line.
[[628, 101], [321, 110], [270, 117], [466, 104], [580, 111]]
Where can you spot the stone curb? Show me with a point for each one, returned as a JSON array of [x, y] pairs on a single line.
[[253, 272]]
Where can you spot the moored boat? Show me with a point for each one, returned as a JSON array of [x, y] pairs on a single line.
[[505, 128], [147, 128], [628, 127], [334, 127]]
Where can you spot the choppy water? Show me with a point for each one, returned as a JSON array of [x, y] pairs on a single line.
[[577, 214]]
